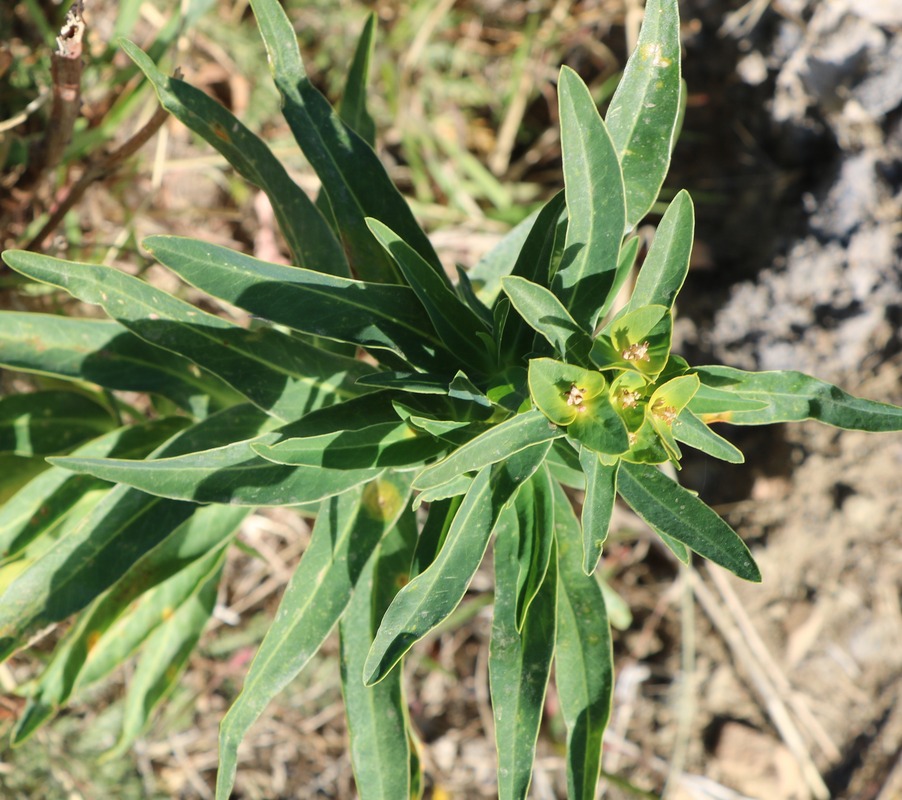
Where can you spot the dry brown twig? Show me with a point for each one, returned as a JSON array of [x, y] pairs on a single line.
[[95, 170], [65, 70]]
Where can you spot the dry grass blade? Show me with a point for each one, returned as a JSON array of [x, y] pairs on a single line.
[[803, 713], [770, 697]]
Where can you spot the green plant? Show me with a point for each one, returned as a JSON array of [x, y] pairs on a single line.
[[479, 404]]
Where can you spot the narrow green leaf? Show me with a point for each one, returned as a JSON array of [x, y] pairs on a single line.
[[41, 423], [364, 314], [47, 498], [413, 382], [452, 319], [667, 263], [485, 276], [543, 243], [351, 173], [377, 715], [601, 491], [347, 531], [593, 184], [467, 293], [542, 311], [519, 661], [643, 113], [677, 548], [625, 263], [165, 657], [308, 235], [278, 373], [689, 429], [165, 575], [793, 396], [534, 507], [584, 662], [391, 444], [98, 550], [121, 528], [710, 401], [108, 632], [435, 530], [230, 474], [352, 108], [564, 465], [499, 442], [666, 506], [462, 388], [106, 353], [433, 594], [454, 488]]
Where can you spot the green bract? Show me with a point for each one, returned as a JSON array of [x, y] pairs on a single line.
[[478, 402]]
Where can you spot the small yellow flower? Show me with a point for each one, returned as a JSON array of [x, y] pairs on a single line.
[[636, 352]]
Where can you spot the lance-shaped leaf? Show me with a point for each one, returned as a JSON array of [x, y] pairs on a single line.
[[563, 463], [519, 662], [793, 396], [364, 314], [348, 528], [352, 108], [540, 253], [278, 373], [689, 429], [534, 509], [97, 550], [390, 444], [104, 352], [593, 184], [231, 474], [499, 442], [377, 715], [433, 594], [625, 262], [454, 488], [46, 499], [598, 505], [584, 663], [308, 235], [644, 111], [667, 263], [166, 655], [452, 319], [467, 293], [669, 508], [709, 401], [485, 276], [123, 526], [40, 423], [543, 312], [462, 388], [184, 554], [434, 532], [131, 629], [413, 382], [351, 173]]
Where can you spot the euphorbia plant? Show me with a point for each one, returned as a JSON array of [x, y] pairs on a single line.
[[478, 403]]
